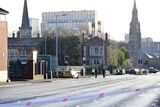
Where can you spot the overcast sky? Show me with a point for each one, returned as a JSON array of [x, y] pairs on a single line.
[[115, 14]]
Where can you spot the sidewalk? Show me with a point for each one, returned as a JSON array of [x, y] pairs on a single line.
[[13, 83], [28, 82]]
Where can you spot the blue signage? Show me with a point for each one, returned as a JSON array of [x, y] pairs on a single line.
[[71, 21]]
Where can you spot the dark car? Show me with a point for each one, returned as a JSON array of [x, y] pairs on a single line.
[[153, 70], [131, 71]]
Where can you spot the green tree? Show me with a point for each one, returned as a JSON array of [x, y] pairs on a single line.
[[68, 46], [126, 54], [127, 61], [120, 58], [71, 47]]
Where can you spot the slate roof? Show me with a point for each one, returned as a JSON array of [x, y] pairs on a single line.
[[24, 41]]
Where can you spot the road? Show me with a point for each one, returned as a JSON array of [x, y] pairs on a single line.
[[112, 91]]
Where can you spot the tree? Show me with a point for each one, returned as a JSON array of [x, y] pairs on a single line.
[[118, 57], [69, 46], [126, 54]]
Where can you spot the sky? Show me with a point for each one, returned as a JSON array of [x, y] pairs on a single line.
[[115, 14]]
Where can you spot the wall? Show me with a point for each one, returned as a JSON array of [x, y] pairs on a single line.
[[3, 51]]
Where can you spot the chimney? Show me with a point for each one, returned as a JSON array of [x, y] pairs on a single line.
[[18, 34], [38, 35], [13, 35]]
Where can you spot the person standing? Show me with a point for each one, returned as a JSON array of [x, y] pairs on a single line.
[[95, 73], [104, 73]]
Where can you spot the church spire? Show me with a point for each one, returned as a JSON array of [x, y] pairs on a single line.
[[25, 18], [134, 12], [25, 29], [134, 45], [135, 4]]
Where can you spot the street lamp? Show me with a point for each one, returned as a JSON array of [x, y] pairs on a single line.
[[107, 38], [103, 39], [104, 48], [57, 35]]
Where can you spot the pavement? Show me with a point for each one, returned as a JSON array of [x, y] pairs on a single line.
[[29, 81]]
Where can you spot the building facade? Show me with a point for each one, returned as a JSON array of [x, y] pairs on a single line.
[[134, 44], [95, 51], [34, 23], [3, 46], [151, 53], [79, 22], [150, 47]]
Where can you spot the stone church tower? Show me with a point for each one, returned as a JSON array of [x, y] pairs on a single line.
[[25, 29], [134, 45]]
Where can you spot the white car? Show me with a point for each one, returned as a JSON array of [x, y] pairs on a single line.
[[74, 73]]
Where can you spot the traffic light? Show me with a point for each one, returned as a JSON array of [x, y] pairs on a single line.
[[66, 59]]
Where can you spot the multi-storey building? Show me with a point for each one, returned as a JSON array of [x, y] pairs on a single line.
[[3, 46], [134, 44], [34, 23], [79, 22]]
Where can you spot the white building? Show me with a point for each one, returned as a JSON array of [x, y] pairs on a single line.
[[150, 47], [34, 23], [79, 22]]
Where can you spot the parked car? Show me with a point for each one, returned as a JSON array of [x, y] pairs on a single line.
[[69, 73], [144, 71], [153, 70], [132, 71]]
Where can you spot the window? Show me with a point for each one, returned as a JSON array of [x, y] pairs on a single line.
[[96, 51], [101, 51], [85, 49], [95, 61]]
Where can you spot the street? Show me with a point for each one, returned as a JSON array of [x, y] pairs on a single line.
[[112, 91]]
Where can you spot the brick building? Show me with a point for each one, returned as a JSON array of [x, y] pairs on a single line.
[[3, 45]]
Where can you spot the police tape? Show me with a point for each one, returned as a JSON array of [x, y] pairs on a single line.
[[74, 98]]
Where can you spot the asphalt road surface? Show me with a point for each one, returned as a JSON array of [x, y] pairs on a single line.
[[112, 91]]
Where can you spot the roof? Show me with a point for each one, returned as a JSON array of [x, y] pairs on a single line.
[[24, 41], [149, 56], [152, 55], [94, 39], [3, 12]]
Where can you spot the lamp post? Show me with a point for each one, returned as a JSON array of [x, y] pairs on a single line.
[[45, 43], [104, 49], [57, 35]]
